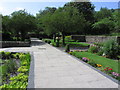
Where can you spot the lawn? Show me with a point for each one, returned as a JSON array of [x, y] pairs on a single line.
[[105, 62], [78, 44], [71, 42]]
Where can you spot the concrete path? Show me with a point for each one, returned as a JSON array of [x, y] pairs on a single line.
[[55, 69]]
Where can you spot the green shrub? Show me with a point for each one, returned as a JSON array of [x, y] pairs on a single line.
[[5, 55], [100, 53], [111, 48], [67, 48], [93, 49], [48, 41], [67, 38]]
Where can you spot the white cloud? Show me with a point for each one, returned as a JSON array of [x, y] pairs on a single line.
[[1, 9], [19, 8]]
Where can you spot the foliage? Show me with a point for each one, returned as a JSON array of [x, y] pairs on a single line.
[[104, 26], [10, 67], [63, 20], [87, 9], [83, 7], [5, 55], [111, 48], [93, 49], [19, 81], [18, 24], [103, 13]]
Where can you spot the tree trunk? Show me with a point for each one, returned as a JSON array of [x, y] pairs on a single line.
[[54, 37], [63, 38]]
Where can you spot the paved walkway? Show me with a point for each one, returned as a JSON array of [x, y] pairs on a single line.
[[55, 69]]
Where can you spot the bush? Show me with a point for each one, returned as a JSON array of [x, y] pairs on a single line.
[[48, 41], [111, 49], [5, 55], [67, 48], [93, 49], [67, 38], [100, 53]]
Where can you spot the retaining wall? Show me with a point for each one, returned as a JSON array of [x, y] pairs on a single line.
[[14, 44], [92, 39]]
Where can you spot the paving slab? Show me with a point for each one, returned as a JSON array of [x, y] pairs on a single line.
[[54, 68]]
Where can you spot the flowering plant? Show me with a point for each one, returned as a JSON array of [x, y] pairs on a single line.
[[98, 65], [115, 74], [85, 59], [108, 69]]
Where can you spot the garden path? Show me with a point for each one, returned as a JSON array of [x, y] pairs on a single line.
[[52, 68]]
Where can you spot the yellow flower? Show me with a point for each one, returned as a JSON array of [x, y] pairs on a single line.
[[98, 65]]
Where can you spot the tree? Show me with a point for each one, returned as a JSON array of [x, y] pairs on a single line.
[[103, 13], [116, 19], [88, 12], [104, 26], [22, 22], [6, 28], [6, 24], [43, 18], [64, 20]]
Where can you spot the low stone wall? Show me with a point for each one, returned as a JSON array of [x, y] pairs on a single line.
[[99, 38], [92, 39], [14, 44]]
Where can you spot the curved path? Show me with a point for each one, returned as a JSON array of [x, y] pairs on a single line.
[[52, 68]]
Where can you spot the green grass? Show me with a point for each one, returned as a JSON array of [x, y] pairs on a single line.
[[78, 44], [105, 62], [71, 42]]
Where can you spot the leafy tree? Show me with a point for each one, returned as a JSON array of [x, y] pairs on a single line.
[[83, 7], [43, 18], [88, 12], [6, 28], [64, 20], [103, 13], [22, 22], [104, 26], [6, 24], [116, 19]]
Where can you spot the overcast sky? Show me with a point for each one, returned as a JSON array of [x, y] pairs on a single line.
[[33, 6]]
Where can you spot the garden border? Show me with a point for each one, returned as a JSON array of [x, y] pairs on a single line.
[[104, 74]]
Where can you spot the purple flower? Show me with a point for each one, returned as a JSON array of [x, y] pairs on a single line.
[[85, 59], [115, 74]]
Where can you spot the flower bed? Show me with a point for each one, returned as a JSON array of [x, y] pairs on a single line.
[[106, 65], [14, 69]]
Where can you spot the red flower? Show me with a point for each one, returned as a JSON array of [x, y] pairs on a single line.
[[104, 69], [110, 69], [107, 67]]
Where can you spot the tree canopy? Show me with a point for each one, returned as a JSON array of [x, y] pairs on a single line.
[[64, 20]]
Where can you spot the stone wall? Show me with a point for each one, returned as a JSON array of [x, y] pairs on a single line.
[[99, 38], [92, 39], [14, 44]]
